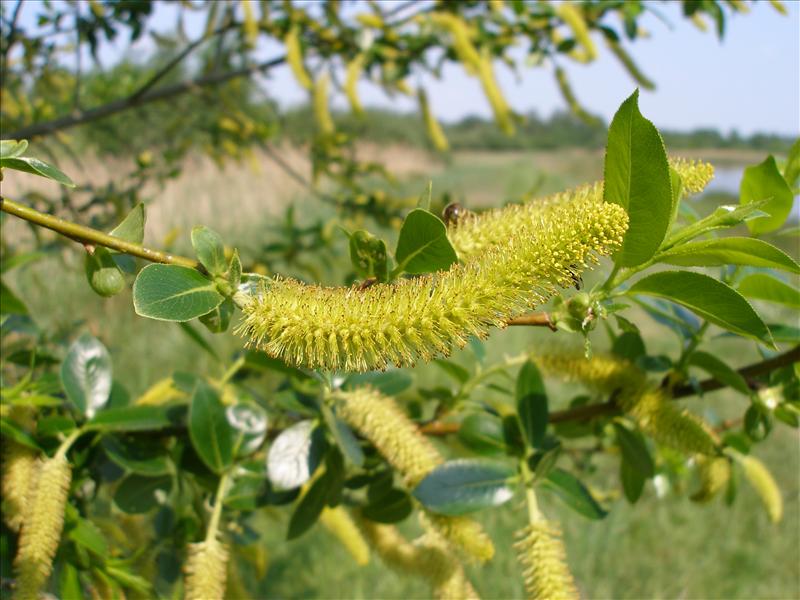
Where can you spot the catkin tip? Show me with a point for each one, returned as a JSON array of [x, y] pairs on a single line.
[[206, 571], [541, 552]]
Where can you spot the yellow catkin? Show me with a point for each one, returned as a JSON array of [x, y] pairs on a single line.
[[357, 329], [20, 473], [435, 132], [778, 5], [206, 571], [250, 24], [354, 70], [161, 392], [541, 552], [763, 483], [574, 19], [40, 536], [322, 113], [569, 97], [630, 66], [426, 558], [602, 374], [338, 522], [695, 174], [397, 438], [462, 39], [668, 424], [698, 22], [502, 112], [714, 473], [294, 56]]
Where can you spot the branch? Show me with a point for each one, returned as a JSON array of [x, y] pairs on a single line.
[[536, 319], [87, 235], [112, 108], [591, 411]]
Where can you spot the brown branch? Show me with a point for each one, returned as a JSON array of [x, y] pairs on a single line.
[[112, 108], [591, 411], [536, 319]]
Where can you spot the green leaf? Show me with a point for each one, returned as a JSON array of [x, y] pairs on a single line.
[[719, 370], [629, 345], [173, 293], [632, 481], [764, 287], [462, 486], [12, 148], [390, 382], [634, 450], [423, 246], [791, 171], [309, 508], [249, 424], [368, 255], [637, 178], [710, 299], [344, 437], [10, 304], [574, 494], [86, 375], [389, 505], [102, 273], [764, 182], [218, 320], [86, 534], [35, 166], [235, 270], [11, 430], [784, 333], [136, 418], [294, 455], [138, 494], [483, 433], [137, 456], [532, 406], [131, 229], [209, 429], [198, 339], [730, 251], [209, 249], [457, 372]]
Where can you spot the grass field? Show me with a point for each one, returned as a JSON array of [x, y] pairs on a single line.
[[660, 548]]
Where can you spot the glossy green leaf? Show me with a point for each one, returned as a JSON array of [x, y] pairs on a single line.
[[294, 455], [136, 418], [764, 182], [574, 494], [462, 486], [102, 273], [483, 433], [249, 424], [637, 177], [38, 167], [143, 458], [173, 293], [86, 375], [719, 370], [209, 249], [138, 494], [368, 255], [708, 298], [131, 228], [12, 148], [760, 286], [209, 430], [730, 251], [532, 406], [423, 246]]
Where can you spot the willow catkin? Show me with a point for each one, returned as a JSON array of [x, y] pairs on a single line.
[[294, 57], [714, 473], [378, 418], [322, 113], [695, 174], [40, 536], [568, 94], [435, 133], [602, 374], [338, 522], [574, 19], [764, 484], [541, 552], [353, 72], [502, 112], [20, 473], [250, 24], [628, 63], [357, 329], [461, 35], [206, 571]]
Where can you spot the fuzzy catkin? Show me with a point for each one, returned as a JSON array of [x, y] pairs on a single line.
[[714, 473], [294, 56], [762, 481], [41, 533], [386, 426], [435, 132], [338, 522], [541, 552], [20, 473], [206, 571], [322, 112], [353, 72], [574, 19], [356, 329]]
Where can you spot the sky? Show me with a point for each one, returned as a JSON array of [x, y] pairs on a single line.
[[749, 81]]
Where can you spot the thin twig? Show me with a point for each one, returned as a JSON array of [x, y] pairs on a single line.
[[87, 235], [112, 108], [537, 319]]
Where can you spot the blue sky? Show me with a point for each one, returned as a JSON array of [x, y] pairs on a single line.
[[749, 81]]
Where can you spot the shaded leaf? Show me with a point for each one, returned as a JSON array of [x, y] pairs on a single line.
[[423, 246], [574, 494], [462, 486], [173, 293], [86, 375]]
